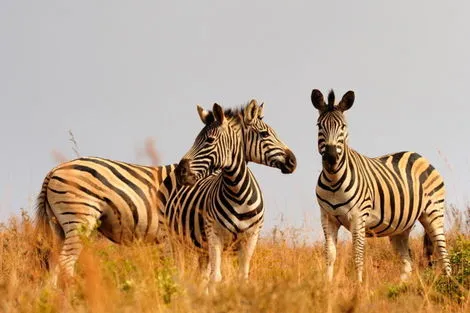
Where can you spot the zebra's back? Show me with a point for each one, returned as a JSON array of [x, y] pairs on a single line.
[[120, 195]]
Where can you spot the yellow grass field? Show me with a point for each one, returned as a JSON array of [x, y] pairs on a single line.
[[285, 277]]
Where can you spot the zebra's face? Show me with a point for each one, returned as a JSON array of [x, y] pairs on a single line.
[[332, 127], [262, 145], [212, 150]]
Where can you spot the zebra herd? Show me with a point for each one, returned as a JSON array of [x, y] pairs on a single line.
[[211, 202]]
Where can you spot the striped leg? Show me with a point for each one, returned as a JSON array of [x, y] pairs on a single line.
[[401, 247], [204, 268], [72, 246], [247, 248], [428, 248], [433, 224], [358, 237], [57, 241], [330, 230], [215, 256]]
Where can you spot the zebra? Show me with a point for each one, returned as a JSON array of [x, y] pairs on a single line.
[[382, 196], [116, 198], [225, 210]]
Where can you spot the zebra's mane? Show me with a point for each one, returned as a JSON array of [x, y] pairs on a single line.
[[233, 112], [229, 113]]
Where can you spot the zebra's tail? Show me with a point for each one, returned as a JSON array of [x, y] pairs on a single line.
[[43, 231], [428, 248]]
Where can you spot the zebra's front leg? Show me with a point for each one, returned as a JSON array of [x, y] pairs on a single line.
[[358, 237], [245, 253], [400, 245], [330, 229], [215, 257], [204, 268]]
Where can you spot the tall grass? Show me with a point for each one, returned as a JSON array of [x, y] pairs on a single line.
[[285, 277]]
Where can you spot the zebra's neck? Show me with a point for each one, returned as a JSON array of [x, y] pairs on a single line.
[[238, 184], [234, 175], [240, 196]]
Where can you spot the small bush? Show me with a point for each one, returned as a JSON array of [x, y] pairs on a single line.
[[456, 287]]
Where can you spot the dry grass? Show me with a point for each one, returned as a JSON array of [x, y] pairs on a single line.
[[284, 278]]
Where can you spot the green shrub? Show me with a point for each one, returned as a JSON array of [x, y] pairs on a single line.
[[457, 286]]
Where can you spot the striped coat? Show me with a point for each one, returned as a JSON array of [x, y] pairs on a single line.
[[224, 211], [382, 196]]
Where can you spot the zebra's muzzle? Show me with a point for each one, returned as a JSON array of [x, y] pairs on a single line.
[[183, 174], [330, 156], [289, 164]]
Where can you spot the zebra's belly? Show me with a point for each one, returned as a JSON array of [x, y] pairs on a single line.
[[375, 226], [342, 211], [123, 229], [231, 232], [391, 220], [230, 240]]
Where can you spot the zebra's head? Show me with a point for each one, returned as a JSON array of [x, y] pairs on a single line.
[[262, 145], [332, 127], [212, 149], [230, 136]]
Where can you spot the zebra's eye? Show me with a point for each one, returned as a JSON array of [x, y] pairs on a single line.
[[264, 134], [210, 140]]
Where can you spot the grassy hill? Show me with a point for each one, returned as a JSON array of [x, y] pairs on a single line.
[[286, 276]]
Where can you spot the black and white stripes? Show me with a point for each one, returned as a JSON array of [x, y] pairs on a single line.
[[224, 210], [381, 196], [117, 198]]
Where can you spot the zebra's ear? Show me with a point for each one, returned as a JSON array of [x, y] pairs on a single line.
[[260, 111], [251, 112], [318, 101], [347, 101], [219, 114], [205, 116]]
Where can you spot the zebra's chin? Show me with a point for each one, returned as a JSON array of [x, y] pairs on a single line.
[[286, 168], [330, 168]]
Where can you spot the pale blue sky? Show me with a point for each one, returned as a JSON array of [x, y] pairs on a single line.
[[118, 72]]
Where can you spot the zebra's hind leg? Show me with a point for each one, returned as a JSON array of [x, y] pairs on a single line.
[[74, 231], [245, 253], [433, 223], [428, 248], [57, 242], [401, 247]]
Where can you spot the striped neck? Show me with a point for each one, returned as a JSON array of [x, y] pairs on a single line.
[[233, 175]]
